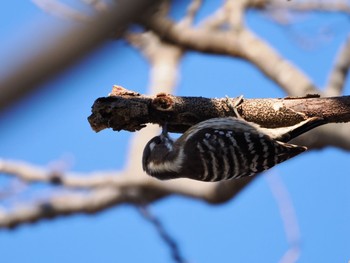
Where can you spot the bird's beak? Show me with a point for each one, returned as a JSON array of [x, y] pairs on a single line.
[[164, 133]]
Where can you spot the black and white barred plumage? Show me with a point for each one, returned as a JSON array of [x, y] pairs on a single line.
[[221, 149]]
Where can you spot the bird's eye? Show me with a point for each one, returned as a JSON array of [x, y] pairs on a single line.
[[157, 140]]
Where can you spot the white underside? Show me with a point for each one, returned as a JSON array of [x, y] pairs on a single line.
[[168, 166]]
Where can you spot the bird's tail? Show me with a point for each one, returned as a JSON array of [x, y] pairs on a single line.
[[290, 150]]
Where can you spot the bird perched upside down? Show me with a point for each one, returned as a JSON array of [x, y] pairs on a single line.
[[221, 149]]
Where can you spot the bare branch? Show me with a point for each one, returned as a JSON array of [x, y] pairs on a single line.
[[192, 10], [111, 190], [340, 71], [274, 66], [235, 13], [336, 135], [128, 110], [216, 20], [163, 57], [60, 205], [64, 48], [288, 216], [36, 174], [241, 43], [168, 240]]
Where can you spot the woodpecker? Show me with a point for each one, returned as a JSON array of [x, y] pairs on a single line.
[[221, 149]]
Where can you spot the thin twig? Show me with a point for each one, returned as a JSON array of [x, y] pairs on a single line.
[[340, 71], [215, 20], [168, 240], [288, 216], [192, 11]]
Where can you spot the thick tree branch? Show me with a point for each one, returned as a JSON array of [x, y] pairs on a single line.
[[64, 48], [128, 110]]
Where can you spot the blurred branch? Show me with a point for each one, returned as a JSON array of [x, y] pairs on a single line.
[[288, 216], [215, 20], [168, 240], [60, 205], [340, 71], [239, 43], [66, 48], [192, 11], [163, 59], [107, 190], [336, 135], [98, 5], [35, 174]]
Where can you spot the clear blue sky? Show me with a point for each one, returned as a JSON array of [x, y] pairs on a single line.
[[51, 124]]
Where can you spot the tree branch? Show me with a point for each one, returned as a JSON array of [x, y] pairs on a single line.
[[128, 110], [288, 216], [64, 48], [240, 43], [107, 190], [192, 11], [61, 205], [165, 236], [340, 71], [35, 174]]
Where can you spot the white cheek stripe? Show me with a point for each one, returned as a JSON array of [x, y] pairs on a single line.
[[168, 166]]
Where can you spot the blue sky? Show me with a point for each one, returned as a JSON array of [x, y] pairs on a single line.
[[51, 124]]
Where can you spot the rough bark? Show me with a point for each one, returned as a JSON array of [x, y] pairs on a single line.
[[131, 111]]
